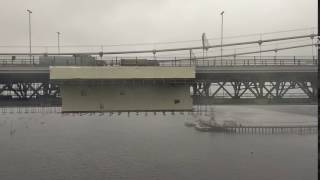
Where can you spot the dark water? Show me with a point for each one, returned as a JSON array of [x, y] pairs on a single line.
[[52, 146]]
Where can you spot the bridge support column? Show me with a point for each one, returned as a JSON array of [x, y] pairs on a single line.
[[201, 88]]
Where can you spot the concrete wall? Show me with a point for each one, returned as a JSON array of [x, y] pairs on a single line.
[[82, 98], [121, 72]]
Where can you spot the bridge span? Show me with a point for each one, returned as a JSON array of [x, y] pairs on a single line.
[[241, 80]]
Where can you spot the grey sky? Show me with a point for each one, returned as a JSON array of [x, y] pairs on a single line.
[[128, 21]]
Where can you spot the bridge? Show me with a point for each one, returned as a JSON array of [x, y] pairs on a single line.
[[228, 79], [248, 80]]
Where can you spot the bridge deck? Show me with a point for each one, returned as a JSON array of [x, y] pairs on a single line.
[[34, 73]]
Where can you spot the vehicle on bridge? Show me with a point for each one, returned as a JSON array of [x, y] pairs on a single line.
[[77, 60], [138, 62], [87, 60]]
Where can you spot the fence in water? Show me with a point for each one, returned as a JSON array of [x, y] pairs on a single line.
[[296, 129], [303, 129]]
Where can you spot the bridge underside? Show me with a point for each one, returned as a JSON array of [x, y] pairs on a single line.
[[254, 92], [203, 92]]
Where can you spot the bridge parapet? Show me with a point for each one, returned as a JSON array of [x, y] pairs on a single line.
[[121, 72]]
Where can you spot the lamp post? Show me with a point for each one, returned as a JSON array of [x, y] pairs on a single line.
[[221, 33], [29, 12], [58, 33]]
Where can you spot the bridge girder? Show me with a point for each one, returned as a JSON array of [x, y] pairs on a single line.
[[303, 90], [28, 90]]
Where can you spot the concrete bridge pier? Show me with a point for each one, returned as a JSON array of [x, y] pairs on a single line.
[[124, 89]]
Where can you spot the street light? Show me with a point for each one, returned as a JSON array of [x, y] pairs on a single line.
[[29, 12], [221, 32], [58, 42]]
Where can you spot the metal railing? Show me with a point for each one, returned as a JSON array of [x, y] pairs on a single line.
[[172, 61], [244, 61], [19, 60]]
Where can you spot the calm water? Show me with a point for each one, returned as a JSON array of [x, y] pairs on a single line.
[[56, 147]]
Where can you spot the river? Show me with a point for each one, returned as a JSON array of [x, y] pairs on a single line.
[[54, 146]]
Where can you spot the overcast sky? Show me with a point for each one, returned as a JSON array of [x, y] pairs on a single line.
[[83, 22]]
